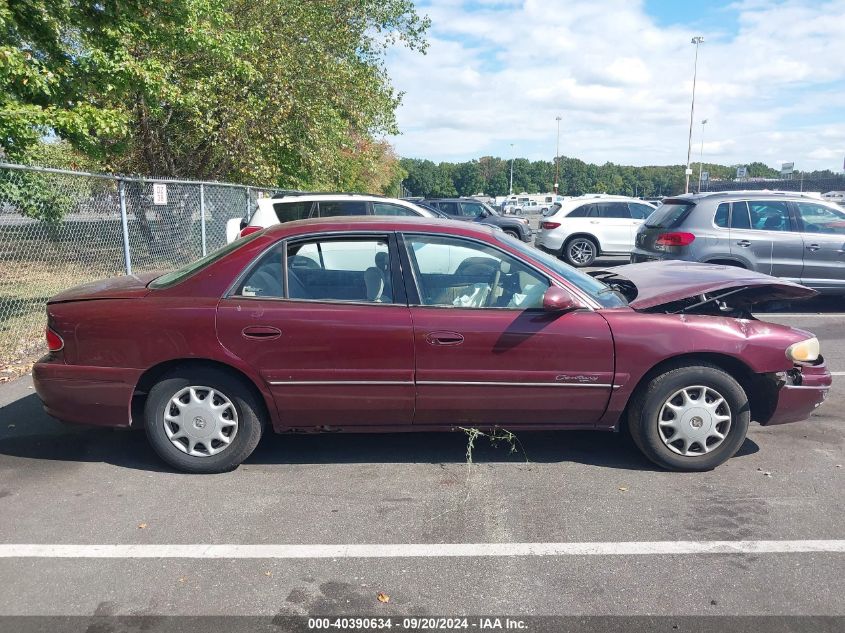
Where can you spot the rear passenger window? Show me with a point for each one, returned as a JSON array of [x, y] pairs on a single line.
[[289, 211], [342, 207], [769, 215], [614, 210], [739, 216], [722, 213], [580, 212], [340, 270], [385, 208]]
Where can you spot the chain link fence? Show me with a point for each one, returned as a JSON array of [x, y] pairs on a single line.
[[61, 228], [796, 183]]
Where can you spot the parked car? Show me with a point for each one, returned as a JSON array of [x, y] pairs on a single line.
[[800, 238], [471, 210], [585, 227], [372, 324], [297, 205]]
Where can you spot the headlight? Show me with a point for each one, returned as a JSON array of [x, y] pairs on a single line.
[[803, 351]]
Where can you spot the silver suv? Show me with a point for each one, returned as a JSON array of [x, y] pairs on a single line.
[[790, 235]]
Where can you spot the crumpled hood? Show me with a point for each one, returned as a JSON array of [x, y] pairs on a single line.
[[662, 282]]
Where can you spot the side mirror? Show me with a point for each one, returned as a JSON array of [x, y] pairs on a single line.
[[558, 300]]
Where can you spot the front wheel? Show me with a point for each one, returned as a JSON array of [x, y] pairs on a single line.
[[691, 418], [580, 251], [203, 420], [512, 233]]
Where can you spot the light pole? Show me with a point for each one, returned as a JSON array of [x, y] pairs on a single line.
[[510, 190], [701, 154], [698, 39], [557, 155]]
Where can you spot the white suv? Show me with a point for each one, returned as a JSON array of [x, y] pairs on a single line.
[[289, 206], [580, 229]]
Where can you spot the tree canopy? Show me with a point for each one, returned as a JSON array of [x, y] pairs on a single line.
[[491, 175], [281, 92]]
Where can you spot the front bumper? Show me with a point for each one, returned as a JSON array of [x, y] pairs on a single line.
[[803, 390], [99, 396]]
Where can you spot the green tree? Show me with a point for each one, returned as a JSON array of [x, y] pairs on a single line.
[[277, 91]]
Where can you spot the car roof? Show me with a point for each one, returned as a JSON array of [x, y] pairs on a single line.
[[744, 193], [378, 223]]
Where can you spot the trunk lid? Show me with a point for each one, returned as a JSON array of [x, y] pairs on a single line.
[[126, 287], [652, 284]]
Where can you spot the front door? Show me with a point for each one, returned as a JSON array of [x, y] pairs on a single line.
[[824, 245], [486, 352], [321, 322]]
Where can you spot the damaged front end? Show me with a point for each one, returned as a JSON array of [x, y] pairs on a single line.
[[675, 287]]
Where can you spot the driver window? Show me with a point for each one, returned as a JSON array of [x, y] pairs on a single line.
[[456, 273], [820, 219]]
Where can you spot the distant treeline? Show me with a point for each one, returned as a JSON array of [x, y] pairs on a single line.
[[491, 175]]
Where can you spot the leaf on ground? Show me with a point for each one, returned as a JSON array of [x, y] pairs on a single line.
[[268, 573], [142, 526], [623, 488], [383, 597]]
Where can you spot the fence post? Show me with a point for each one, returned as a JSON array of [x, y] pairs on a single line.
[[126, 256], [202, 217], [248, 198]]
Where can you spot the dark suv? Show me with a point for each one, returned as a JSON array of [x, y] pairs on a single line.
[[790, 235], [473, 210]]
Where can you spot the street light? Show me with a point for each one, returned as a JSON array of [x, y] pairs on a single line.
[[698, 39], [701, 154], [511, 185], [557, 155]]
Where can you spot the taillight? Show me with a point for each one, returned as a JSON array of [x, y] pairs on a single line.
[[249, 230], [54, 341], [549, 225], [674, 239]]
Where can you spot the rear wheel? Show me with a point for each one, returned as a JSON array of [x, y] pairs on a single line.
[[203, 420], [580, 251], [512, 233], [691, 418]]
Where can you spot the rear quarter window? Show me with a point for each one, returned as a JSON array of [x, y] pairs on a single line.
[[290, 211], [722, 215]]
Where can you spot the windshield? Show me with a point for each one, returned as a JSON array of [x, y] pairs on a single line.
[[183, 273], [600, 292], [490, 209], [670, 214]]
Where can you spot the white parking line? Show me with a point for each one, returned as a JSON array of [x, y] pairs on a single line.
[[418, 550], [796, 315]]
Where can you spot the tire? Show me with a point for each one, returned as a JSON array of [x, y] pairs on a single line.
[[513, 233], [580, 251], [242, 408], [651, 405]]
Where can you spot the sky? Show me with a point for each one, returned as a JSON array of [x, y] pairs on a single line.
[[771, 81]]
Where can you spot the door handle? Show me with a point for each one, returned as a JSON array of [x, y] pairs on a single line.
[[745, 243], [813, 247], [261, 332], [444, 338]]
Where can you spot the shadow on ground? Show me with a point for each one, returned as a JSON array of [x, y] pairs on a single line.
[[26, 432]]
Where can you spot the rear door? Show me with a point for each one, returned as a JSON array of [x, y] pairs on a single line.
[[763, 233], [823, 230], [614, 227], [326, 325]]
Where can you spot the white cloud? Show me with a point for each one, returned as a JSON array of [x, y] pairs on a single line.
[[770, 79]]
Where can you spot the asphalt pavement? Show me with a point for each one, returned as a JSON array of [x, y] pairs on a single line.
[[62, 485]]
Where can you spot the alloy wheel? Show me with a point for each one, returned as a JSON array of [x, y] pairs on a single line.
[[581, 251]]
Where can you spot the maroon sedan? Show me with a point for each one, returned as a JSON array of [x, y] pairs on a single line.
[[377, 324]]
